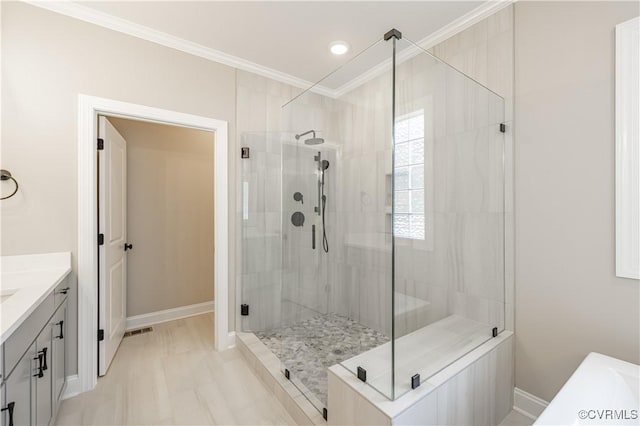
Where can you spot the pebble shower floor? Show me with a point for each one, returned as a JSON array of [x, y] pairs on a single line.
[[309, 347]]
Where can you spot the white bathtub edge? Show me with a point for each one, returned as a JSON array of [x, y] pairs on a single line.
[[602, 388]]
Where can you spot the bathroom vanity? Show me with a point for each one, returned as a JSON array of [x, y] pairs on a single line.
[[33, 330]]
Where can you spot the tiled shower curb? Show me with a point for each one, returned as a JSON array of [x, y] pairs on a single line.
[[267, 367]]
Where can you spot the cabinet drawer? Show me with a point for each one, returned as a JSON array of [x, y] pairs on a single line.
[[61, 291], [21, 339]]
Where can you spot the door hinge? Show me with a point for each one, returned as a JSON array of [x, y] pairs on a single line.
[[244, 309], [100, 239], [494, 332], [325, 413], [503, 128], [100, 335], [100, 144]]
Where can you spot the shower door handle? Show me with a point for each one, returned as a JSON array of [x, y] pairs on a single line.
[[313, 237]]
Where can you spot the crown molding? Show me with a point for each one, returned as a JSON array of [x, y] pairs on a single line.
[[454, 27], [105, 20], [465, 21]]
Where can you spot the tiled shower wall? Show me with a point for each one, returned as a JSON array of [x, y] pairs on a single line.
[[280, 276], [458, 268], [485, 53], [308, 272]]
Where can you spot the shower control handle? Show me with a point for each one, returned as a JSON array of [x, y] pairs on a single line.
[[128, 246]]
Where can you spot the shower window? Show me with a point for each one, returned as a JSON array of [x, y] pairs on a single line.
[[409, 212]]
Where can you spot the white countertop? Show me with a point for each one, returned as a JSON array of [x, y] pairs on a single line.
[[25, 281]]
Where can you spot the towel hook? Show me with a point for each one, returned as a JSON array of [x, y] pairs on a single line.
[[6, 175]]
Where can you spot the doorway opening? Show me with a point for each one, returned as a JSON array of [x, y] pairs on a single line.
[[89, 109], [156, 227]]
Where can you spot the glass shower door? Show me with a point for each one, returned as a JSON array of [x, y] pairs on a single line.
[[261, 244], [336, 228], [304, 287]]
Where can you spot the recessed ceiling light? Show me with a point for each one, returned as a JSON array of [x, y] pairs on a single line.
[[339, 47]]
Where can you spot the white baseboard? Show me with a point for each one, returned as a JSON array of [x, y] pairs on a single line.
[[527, 404], [151, 318], [231, 340], [72, 387]]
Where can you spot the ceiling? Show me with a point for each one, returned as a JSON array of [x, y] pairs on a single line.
[[291, 37]]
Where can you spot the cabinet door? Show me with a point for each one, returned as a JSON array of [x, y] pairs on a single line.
[[44, 380], [18, 387], [3, 403], [59, 330]]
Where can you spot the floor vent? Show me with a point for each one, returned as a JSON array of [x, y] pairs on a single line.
[[138, 331]]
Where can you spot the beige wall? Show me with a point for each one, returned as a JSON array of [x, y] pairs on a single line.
[[47, 60], [169, 215], [568, 300]]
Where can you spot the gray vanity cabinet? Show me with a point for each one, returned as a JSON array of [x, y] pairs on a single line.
[[33, 364]]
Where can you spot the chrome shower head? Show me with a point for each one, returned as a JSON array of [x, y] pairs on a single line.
[[311, 141]]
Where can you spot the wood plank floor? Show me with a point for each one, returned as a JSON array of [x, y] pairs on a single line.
[[173, 376]]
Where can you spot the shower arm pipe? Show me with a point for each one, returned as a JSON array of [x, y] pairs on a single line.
[[298, 136]]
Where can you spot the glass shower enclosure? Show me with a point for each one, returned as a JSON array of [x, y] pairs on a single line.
[[373, 222]]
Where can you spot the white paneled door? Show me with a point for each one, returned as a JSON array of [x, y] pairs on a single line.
[[112, 224]]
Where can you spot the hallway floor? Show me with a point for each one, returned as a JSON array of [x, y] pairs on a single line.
[[172, 375]]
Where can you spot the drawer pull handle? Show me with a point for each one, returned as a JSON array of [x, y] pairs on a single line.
[[40, 372], [63, 290], [9, 408], [61, 336], [44, 357]]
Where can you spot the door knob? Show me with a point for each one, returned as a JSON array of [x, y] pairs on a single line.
[[128, 246]]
